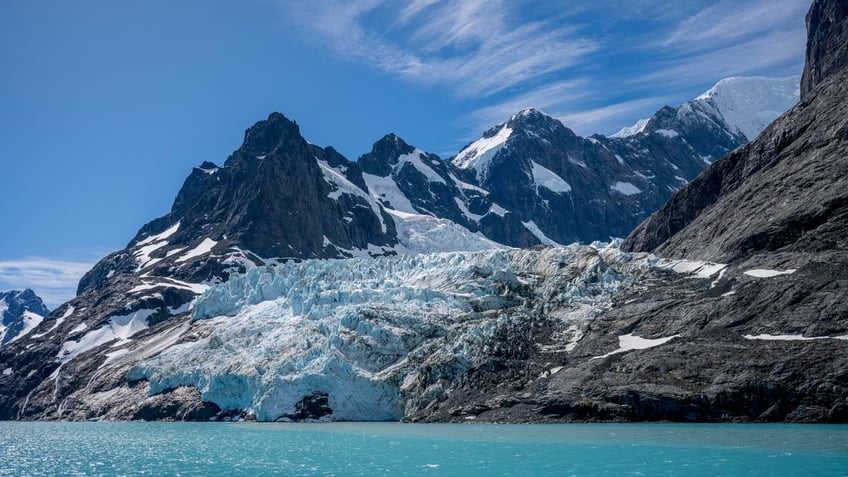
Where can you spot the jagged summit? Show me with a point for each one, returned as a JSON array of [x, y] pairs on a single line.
[[384, 154], [20, 312], [529, 122], [530, 113], [272, 133]]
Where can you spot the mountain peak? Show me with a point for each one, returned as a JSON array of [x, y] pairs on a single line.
[[264, 136], [529, 113], [391, 140], [749, 104], [20, 313], [384, 154], [531, 116]]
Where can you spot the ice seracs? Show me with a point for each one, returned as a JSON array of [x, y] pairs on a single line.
[[368, 333]]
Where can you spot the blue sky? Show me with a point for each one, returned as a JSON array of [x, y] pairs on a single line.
[[105, 106]]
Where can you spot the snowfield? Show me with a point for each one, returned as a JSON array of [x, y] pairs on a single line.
[[373, 333]]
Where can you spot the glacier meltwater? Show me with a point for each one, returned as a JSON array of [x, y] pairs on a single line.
[[390, 449]]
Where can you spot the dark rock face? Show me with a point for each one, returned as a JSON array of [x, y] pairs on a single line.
[[827, 43], [181, 404], [22, 311], [311, 407], [270, 197]]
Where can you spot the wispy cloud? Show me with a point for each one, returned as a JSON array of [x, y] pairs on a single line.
[[748, 58], [728, 21], [475, 48], [55, 281]]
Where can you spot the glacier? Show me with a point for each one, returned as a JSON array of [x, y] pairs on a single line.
[[380, 338]]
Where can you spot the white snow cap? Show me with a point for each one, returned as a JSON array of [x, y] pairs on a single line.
[[749, 104], [745, 104]]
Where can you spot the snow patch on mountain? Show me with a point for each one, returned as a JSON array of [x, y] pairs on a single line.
[[119, 327], [632, 130], [537, 232], [630, 342], [625, 188], [342, 185], [30, 321], [202, 248], [414, 158], [160, 237], [544, 177], [668, 133], [497, 210], [479, 154], [765, 273], [386, 191]]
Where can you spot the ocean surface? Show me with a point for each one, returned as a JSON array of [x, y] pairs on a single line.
[[340, 449]]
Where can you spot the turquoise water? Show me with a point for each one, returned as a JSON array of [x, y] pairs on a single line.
[[42, 448]]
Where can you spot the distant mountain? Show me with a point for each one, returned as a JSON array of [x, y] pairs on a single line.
[[20, 313], [740, 105]]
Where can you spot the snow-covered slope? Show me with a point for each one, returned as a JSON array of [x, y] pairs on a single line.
[[478, 155], [749, 104], [549, 185], [744, 105]]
